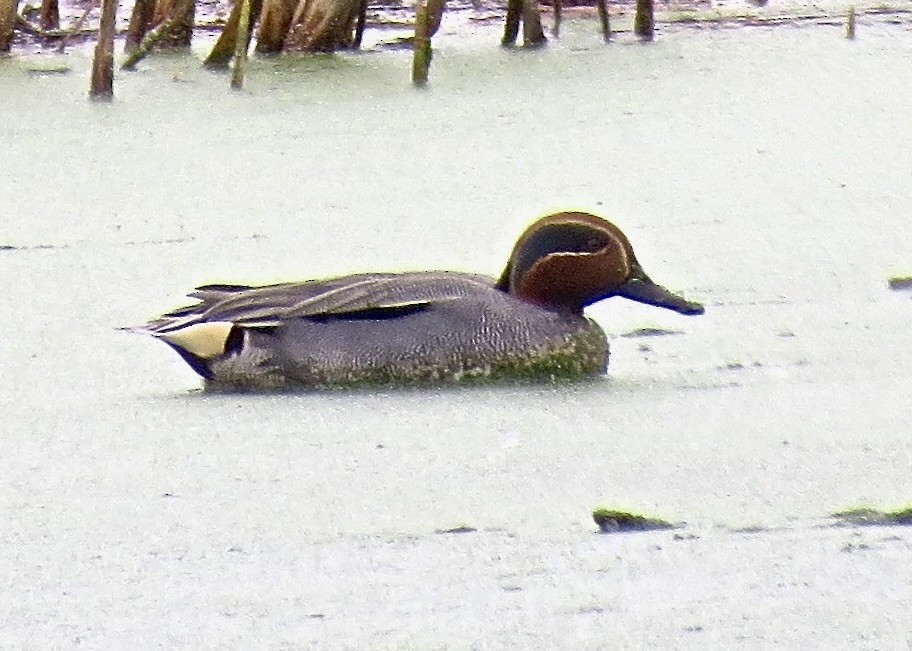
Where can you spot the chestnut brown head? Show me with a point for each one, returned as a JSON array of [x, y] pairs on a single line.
[[569, 260]]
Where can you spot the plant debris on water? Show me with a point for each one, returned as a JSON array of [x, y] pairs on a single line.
[[900, 282], [651, 332], [462, 528], [612, 521], [872, 517]]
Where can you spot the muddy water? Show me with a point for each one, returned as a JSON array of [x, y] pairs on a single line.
[[763, 172]]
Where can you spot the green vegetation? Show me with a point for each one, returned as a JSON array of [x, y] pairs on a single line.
[[867, 516], [650, 332], [462, 528], [900, 282], [612, 521]]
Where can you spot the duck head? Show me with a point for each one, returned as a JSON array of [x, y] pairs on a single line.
[[569, 260]]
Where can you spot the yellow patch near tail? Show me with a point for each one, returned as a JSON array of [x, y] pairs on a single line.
[[205, 340]]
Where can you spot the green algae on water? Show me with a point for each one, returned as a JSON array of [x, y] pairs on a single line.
[[866, 516], [900, 282], [613, 521], [460, 528], [650, 332]]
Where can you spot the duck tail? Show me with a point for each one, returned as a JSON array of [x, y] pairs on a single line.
[[197, 343], [199, 365]]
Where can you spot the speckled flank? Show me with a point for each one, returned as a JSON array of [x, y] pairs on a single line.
[[251, 368], [576, 355]]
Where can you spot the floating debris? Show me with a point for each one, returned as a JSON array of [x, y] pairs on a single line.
[[463, 528], [751, 528], [32, 247], [650, 332], [900, 282], [738, 366], [685, 536], [611, 521], [49, 70], [869, 517]]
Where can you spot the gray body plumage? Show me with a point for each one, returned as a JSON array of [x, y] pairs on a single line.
[[385, 329]]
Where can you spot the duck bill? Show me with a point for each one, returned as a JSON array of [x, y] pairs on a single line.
[[640, 288]]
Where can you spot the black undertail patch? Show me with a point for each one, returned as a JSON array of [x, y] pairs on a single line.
[[235, 341], [198, 364]]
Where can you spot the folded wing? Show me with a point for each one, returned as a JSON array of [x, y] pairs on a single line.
[[359, 296]]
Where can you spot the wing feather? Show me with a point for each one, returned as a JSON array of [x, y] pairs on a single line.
[[378, 295]]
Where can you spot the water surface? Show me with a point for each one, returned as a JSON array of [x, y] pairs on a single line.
[[764, 172]]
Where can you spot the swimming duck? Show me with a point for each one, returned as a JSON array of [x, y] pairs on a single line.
[[429, 327]]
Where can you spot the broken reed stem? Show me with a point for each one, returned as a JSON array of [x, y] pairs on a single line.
[[604, 21], [421, 47], [558, 7], [644, 21], [61, 47], [157, 34], [850, 23], [62, 34], [225, 47], [240, 46]]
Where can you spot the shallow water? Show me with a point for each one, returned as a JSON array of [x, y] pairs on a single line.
[[765, 172]]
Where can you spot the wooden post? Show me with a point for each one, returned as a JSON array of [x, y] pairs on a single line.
[[643, 21], [140, 21], [511, 23], [240, 46], [602, 7], [359, 25], [102, 86], [435, 15], [533, 34], [181, 15], [557, 6], [525, 11], [850, 23], [275, 19], [50, 15], [421, 47], [322, 26], [8, 18]]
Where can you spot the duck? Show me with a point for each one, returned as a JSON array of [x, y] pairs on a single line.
[[421, 327]]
